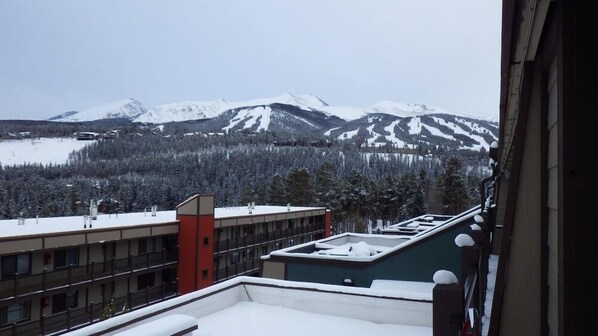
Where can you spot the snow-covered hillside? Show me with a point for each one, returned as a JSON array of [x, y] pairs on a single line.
[[42, 151], [183, 111], [127, 108]]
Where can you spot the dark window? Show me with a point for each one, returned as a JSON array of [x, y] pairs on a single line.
[[206, 241], [145, 280], [170, 242], [264, 250], [291, 224], [66, 257], [19, 263], [250, 253], [169, 279], [234, 258], [15, 312], [204, 274], [63, 301], [147, 245], [278, 225]]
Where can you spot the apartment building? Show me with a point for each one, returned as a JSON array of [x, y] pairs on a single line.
[[60, 273]]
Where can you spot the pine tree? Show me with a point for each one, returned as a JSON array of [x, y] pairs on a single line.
[[276, 193], [451, 187], [299, 188]]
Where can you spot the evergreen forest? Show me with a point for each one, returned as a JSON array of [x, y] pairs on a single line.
[[138, 169]]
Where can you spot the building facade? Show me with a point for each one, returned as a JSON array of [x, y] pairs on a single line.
[[60, 273], [544, 283], [409, 251]]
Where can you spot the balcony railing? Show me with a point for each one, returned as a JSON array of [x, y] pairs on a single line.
[[268, 237], [22, 285], [241, 268], [79, 317]]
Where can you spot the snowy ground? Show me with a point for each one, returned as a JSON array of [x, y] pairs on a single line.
[[492, 264], [39, 151]]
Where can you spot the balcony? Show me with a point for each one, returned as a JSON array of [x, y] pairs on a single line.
[[71, 319], [266, 238], [48, 281], [242, 268]]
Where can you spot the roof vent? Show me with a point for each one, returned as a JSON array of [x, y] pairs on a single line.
[[93, 209], [154, 210]]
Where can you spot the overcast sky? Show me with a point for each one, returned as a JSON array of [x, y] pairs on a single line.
[[57, 56]]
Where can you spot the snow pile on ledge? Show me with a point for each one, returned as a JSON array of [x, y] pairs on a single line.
[[359, 249]]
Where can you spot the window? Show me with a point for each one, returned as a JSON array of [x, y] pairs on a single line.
[[234, 258], [204, 274], [19, 263], [264, 250], [63, 301], [147, 245], [145, 280], [66, 257], [15, 312], [170, 242], [279, 225], [291, 224], [206, 241], [250, 253]]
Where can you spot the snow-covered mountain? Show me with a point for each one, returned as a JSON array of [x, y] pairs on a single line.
[[122, 109], [183, 111], [382, 123]]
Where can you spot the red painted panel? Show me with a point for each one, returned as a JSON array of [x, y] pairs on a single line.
[[187, 249], [205, 251]]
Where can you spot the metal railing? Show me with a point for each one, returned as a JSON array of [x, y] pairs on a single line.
[[22, 285], [74, 318], [268, 237]]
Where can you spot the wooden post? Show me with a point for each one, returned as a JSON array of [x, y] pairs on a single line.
[[447, 309]]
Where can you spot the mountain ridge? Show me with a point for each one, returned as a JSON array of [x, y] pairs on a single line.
[[384, 123]]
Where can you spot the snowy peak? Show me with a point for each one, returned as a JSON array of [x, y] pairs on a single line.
[[183, 111], [402, 110], [127, 109], [306, 101]]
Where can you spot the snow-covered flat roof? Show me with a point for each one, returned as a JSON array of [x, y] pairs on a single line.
[[55, 225], [368, 247], [258, 306]]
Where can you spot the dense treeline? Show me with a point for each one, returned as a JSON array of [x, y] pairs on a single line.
[[136, 170]]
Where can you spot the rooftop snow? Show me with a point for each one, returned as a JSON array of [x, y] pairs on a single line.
[[273, 307], [49, 225]]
